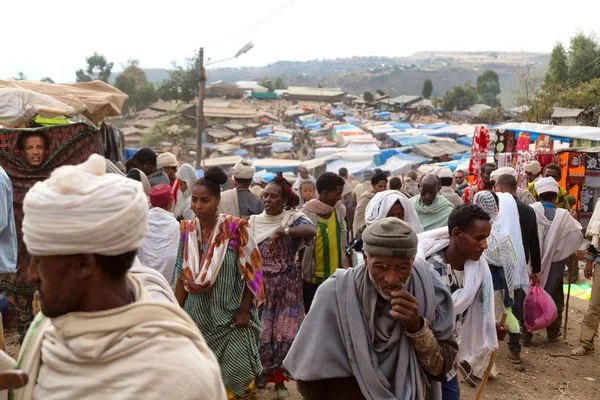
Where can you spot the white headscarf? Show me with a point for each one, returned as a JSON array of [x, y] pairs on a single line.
[[504, 171], [243, 170], [83, 210], [187, 174], [166, 160], [546, 185], [380, 205]]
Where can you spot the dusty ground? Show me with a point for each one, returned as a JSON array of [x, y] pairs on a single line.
[[550, 372]]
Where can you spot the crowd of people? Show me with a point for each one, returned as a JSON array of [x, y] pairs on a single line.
[[156, 284]]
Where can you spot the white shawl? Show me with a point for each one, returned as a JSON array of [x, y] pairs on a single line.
[[159, 249], [130, 352], [263, 226], [593, 228], [380, 205], [230, 204], [477, 335], [508, 217], [559, 238]]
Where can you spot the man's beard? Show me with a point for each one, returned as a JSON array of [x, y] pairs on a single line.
[[386, 296]]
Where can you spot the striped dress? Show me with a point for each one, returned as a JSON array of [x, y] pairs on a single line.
[[213, 311]]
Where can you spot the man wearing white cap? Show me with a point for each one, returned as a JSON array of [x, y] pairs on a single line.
[[168, 163], [446, 181], [240, 202], [99, 326], [532, 169], [560, 236]]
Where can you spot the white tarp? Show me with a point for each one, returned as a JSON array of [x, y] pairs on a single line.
[[396, 166], [570, 132], [354, 168]]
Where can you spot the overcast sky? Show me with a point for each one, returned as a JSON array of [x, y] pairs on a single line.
[[42, 38]]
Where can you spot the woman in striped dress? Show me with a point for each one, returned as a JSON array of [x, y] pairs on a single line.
[[280, 234], [219, 284]]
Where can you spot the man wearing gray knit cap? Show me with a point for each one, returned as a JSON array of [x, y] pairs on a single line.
[[382, 330]]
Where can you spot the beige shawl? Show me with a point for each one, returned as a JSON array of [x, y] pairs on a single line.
[[229, 203], [144, 350]]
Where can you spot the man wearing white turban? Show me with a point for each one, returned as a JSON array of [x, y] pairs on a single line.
[[560, 236], [532, 169], [168, 163], [241, 202], [99, 325]]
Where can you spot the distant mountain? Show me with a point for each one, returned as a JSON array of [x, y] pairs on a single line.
[[405, 74]]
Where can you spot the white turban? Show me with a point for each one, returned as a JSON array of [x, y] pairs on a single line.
[[244, 170], [546, 185], [166, 160], [445, 172], [83, 210], [504, 171], [380, 205], [532, 167]]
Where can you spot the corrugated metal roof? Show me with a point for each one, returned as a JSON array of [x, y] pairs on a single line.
[[566, 112], [432, 150], [309, 91]]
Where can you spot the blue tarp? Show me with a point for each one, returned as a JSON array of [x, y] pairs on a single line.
[[241, 153], [401, 126], [267, 176], [200, 173], [465, 140], [383, 114], [410, 140], [308, 122], [433, 126], [313, 126], [387, 154], [459, 156], [412, 159], [264, 131], [128, 153]]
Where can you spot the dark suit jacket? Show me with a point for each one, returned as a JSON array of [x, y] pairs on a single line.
[[529, 234]]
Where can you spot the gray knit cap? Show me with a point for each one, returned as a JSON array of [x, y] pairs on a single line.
[[390, 237]]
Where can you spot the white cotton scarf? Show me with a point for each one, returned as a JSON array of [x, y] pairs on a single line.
[[229, 203], [263, 226], [183, 204], [130, 352], [508, 217], [477, 336], [559, 238], [380, 205], [593, 228]]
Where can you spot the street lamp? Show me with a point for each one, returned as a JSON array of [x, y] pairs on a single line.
[[200, 105]]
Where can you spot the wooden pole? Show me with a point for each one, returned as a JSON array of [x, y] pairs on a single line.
[[488, 371], [200, 109], [566, 311]]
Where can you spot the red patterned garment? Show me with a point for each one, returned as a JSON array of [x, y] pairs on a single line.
[[479, 153]]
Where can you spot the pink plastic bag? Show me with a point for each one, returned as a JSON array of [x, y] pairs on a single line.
[[539, 309]]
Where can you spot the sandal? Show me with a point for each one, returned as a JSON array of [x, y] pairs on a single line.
[[281, 391], [467, 374], [582, 350]]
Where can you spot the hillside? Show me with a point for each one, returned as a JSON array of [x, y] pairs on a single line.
[[405, 74]]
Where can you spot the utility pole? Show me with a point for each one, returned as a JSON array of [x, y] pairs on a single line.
[[200, 109]]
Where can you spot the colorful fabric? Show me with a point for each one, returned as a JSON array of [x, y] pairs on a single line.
[[479, 152], [327, 249], [576, 168], [282, 312], [213, 311], [201, 270], [68, 145], [249, 394]]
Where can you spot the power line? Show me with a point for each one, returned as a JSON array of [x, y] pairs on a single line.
[[252, 26], [569, 81]]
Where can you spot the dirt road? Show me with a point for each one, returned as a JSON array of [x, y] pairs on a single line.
[[550, 372]]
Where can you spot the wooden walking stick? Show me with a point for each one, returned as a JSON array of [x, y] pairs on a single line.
[[488, 371], [568, 296]]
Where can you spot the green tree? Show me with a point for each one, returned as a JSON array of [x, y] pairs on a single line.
[[427, 90], [268, 84], [183, 82], [491, 116], [133, 82], [47, 80], [488, 88], [584, 59], [380, 92], [20, 76], [460, 97], [98, 68], [558, 68], [279, 84], [368, 97]]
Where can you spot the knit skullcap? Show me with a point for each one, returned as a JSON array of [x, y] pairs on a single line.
[[390, 237]]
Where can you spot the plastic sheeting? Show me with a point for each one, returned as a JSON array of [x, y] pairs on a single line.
[[396, 166], [411, 140], [95, 100], [19, 106], [355, 168]]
